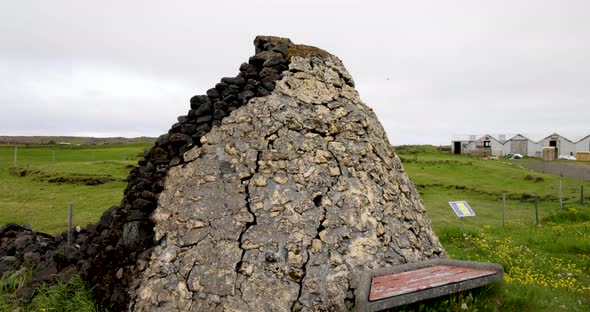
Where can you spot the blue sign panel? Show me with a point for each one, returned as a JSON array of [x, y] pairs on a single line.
[[462, 209]]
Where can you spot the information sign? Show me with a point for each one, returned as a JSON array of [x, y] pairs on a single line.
[[462, 209]]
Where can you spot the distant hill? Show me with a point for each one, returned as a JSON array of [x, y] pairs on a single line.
[[46, 140]]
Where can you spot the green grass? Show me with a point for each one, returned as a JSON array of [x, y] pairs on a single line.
[[32, 198], [73, 296], [9, 283], [547, 266]]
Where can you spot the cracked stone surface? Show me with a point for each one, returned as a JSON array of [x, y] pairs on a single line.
[[284, 203]]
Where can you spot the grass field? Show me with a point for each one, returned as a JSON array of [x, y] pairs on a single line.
[[39, 189], [547, 265]]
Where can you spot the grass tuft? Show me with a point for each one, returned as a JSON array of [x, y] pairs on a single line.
[[76, 295], [9, 283], [72, 296]]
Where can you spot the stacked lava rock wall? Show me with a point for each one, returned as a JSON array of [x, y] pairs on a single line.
[[279, 207], [125, 232]]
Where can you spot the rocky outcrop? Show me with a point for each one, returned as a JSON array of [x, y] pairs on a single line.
[[271, 194], [284, 203], [128, 235]]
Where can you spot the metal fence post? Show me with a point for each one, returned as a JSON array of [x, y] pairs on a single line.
[[560, 195], [15, 153], [503, 209], [537, 209], [582, 194], [70, 214]]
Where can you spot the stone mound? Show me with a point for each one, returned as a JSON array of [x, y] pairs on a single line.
[[271, 194], [283, 203]]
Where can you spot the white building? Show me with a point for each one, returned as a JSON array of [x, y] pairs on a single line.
[[459, 143], [519, 144], [563, 145], [489, 145], [583, 145]]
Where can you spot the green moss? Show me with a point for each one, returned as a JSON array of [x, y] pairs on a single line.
[[304, 51]]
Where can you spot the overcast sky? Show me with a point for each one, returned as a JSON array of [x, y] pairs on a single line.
[[429, 69]]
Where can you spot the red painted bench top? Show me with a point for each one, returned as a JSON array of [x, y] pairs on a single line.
[[383, 288], [411, 281]]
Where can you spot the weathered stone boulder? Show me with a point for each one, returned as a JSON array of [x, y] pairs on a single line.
[[282, 203]]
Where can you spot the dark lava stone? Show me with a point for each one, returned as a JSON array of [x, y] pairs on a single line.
[[202, 130], [179, 138], [266, 59], [236, 81], [219, 114], [260, 91], [230, 98], [234, 104], [274, 61], [269, 85], [248, 68], [188, 128], [230, 90], [203, 110], [245, 96], [10, 227], [204, 120], [221, 86], [271, 78], [222, 105], [175, 128], [213, 93], [158, 153], [198, 100], [249, 87], [174, 162], [162, 140], [143, 204], [268, 71]]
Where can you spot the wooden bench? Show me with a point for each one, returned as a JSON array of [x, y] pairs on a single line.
[[413, 282]]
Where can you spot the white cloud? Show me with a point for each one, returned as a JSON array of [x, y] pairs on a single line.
[[453, 66]]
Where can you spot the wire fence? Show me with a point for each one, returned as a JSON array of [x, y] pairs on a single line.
[[518, 206], [12, 156], [512, 207]]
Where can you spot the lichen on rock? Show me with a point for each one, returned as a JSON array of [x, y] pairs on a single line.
[[281, 205]]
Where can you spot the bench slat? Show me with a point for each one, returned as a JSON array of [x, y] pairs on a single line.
[[427, 270], [387, 287], [411, 281]]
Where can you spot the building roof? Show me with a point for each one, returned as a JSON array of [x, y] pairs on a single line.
[[470, 138], [519, 135], [556, 134]]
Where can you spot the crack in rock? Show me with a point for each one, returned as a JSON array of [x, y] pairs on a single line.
[[285, 200], [253, 222]]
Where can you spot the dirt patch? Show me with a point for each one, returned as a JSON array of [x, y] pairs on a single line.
[[72, 178]]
